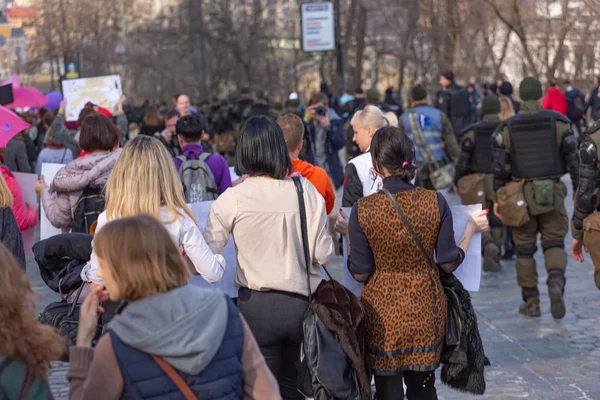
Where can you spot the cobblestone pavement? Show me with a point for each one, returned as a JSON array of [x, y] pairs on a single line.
[[531, 358]]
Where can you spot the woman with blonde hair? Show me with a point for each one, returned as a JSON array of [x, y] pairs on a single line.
[[360, 180], [506, 108], [144, 181], [10, 234], [26, 346], [172, 337]]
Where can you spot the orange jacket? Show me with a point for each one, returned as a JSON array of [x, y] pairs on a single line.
[[320, 180]]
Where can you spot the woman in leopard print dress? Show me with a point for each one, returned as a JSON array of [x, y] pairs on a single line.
[[403, 296]]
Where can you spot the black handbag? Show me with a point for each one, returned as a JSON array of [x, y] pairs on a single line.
[[327, 370], [64, 317], [453, 324]]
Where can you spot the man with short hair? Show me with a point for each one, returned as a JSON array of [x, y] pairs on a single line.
[[183, 105], [190, 130], [293, 132], [167, 136], [325, 138]]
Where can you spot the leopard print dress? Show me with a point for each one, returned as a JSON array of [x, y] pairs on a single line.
[[403, 298]]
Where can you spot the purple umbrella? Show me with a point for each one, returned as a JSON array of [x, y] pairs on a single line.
[[54, 99]]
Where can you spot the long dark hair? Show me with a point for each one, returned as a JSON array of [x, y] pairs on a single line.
[[392, 149], [261, 149]]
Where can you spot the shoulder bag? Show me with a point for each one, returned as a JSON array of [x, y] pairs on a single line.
[[326, 369], [453, 324], [441, 174]]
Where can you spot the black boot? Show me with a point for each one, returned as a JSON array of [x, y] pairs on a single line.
[[556, 291]]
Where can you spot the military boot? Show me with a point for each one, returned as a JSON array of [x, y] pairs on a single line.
[[491, 258], [556, 291], [531, 307]]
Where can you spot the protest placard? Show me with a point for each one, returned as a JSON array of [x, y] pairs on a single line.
[[103, 91]]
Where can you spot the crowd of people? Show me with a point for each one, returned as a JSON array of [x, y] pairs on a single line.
[[146, 332]]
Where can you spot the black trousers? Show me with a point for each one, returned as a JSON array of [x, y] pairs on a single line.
[[419, 386], [275, 319]]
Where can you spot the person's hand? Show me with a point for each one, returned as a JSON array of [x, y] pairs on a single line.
[[88, 318], [497, 211], [62, 107], [323, 120], [479, 221], [40, 185], [576, 250], [341, 223], [120, 103]]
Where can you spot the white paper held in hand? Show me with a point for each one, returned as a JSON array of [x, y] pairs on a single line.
[[469, 272]]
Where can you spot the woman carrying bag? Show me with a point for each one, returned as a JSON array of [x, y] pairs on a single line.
[[403, 296], [263, 215]]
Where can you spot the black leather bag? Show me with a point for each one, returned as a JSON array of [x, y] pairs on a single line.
[[327, 369], [453, 324], [64, 317]]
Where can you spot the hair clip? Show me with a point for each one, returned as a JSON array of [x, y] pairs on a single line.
[[404, 164]]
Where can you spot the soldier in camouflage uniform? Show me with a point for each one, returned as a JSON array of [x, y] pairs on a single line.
[[476, 158], [538, 147]]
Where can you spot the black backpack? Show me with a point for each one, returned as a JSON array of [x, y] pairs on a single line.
[[90, 205]]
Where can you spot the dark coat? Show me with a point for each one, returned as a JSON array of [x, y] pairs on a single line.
[[335, 141], [11, 235], [61, 259], [334, 346], [463, 364]]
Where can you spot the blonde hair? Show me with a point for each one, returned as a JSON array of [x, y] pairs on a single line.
[[141, 256], [373, 117], [506, 108], [143, 180], [6, 197]]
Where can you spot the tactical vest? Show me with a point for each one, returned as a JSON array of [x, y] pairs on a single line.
[[534, 152], [482, 156], [223, 377], [430, 120]]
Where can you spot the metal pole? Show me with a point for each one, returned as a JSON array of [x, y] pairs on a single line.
[[338, 49]]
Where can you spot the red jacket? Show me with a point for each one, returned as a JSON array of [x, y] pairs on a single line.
[[555, 100], [26, 217]]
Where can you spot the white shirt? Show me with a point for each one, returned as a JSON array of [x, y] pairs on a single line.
[[185, 233], [263, 216]]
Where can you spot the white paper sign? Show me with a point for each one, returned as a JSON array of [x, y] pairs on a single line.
[[103, 91], [469, 272], [27, 184], [227, 283], [351, 284], [46, 228], [318, 33]]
